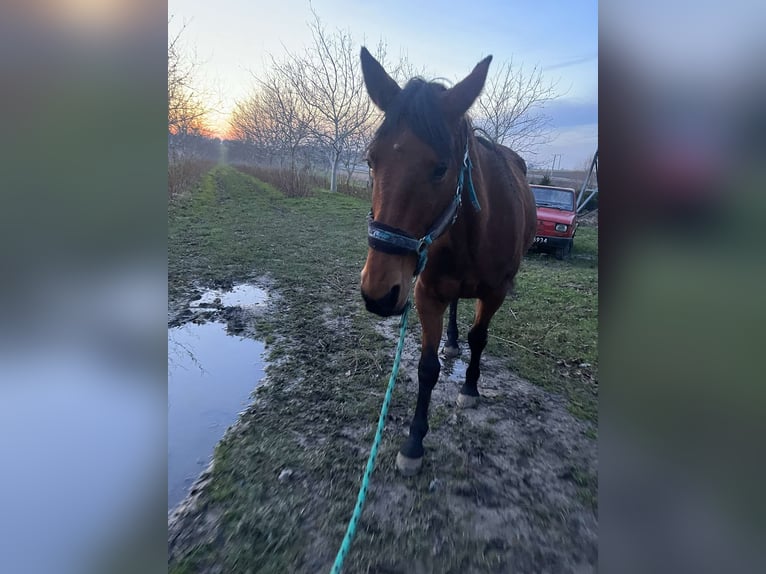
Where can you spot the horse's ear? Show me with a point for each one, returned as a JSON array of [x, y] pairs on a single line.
[[460, 97], [381, 87]]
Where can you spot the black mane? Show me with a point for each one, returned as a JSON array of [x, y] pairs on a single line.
[[418, 106]]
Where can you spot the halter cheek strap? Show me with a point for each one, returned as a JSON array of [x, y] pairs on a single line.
[[387, 239]]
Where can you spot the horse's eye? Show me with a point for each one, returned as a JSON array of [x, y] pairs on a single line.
[[439, 171]]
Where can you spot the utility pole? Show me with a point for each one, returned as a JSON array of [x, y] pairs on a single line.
[[553, 165]]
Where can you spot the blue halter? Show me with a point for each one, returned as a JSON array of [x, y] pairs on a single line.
[[394, 241]]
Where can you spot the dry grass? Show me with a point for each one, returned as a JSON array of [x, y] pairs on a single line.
[[183, 175], [298, 183], [304, 182]]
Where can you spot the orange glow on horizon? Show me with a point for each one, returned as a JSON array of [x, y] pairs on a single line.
[[203, 131]]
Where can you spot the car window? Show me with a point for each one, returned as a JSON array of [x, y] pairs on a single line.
[[551, 197]]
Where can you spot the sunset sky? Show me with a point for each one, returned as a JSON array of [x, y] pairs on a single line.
[[233, 37]]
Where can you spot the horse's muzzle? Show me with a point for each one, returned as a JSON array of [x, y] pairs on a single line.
[[386, 306]]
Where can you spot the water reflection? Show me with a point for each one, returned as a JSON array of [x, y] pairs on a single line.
[[210, 378], [454, 369], [240, 296]]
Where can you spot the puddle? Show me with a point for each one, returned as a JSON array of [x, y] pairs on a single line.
[[454, 369], [239, 296], [211, 376]]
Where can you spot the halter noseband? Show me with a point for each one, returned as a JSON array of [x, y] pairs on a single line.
[[382, 237]]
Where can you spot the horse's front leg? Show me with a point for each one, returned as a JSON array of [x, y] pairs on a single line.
[[431, 312]]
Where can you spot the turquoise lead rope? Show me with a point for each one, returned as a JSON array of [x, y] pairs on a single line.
[[351, 530]]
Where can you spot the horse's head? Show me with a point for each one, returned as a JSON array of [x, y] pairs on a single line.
[[415, 159]]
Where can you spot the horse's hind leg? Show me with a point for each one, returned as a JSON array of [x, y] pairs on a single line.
[[431, 313], [477, 340], [451, 348]]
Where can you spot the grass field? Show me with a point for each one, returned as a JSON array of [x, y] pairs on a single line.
[[329, 367]]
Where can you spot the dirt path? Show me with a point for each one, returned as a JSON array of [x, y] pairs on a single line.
[[506, 487], [515, 472]]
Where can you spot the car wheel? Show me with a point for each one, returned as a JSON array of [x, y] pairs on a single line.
[[559, 253], [568, 249]]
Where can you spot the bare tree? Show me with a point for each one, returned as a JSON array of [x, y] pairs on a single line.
[[510, 108], [327, 78], [241, 124], [315, 99], [186, 110], [251, 124], [189, 152], [355, 150], [403, 69], [292, 122], [273, 119]]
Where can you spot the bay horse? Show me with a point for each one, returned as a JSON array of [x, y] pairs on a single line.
[[449, 207]]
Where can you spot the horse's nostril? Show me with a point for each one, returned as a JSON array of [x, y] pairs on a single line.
[[384, 306], [392, 298]]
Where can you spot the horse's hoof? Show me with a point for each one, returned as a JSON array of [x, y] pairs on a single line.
[[466, 401], [450, 352], [408, 466]]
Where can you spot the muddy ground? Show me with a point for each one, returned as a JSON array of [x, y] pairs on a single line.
[[505, 487], [508, 487]]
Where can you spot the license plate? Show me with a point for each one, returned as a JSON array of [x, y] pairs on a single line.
[[541, 240]]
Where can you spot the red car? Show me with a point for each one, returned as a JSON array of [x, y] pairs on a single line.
[[556, 219]]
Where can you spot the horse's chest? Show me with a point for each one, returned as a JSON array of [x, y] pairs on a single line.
[[469, 287], [454, 275], [449, 263]]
